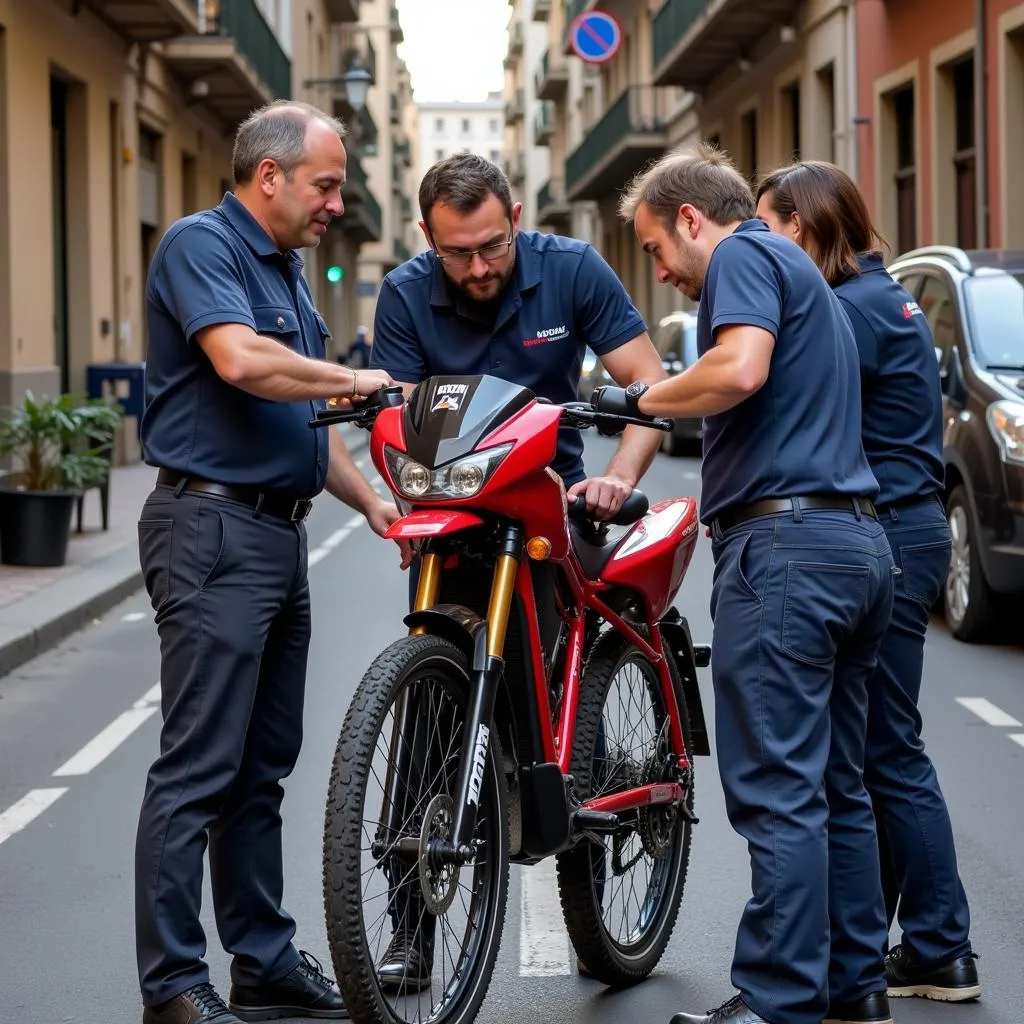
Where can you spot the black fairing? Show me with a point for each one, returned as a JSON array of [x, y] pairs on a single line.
[[447, 417]]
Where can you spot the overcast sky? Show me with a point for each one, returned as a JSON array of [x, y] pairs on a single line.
[[454, 48]]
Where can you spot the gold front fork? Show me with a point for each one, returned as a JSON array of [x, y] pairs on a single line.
[[428, 587], [502, 588]]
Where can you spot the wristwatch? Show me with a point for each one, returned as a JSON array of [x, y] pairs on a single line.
[[634, 393]]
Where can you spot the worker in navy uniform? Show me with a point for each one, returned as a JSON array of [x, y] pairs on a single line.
[[802, 588], [236, 368], [488, 297], [819, 207]]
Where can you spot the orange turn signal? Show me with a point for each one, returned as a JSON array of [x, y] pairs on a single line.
[[538, 548]]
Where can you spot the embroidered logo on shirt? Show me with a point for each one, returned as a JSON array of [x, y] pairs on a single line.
[[447, 397], [543, 337], [911, 309]]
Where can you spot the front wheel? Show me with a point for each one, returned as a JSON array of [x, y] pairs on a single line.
[[620, 898], [392, 792], [970, 603]]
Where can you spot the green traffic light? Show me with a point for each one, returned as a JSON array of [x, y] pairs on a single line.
[[335, 274]]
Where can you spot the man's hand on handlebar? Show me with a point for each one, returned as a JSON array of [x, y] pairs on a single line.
[[604, 494], [619, 401], [365, 383]]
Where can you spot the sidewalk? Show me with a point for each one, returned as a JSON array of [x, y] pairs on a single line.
[[41, 607]]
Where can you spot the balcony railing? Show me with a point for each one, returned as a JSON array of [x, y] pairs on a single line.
[[552, 206], [631, 131], [572, 9], [544, 123], [242, 21], [514, 107], [672, 22], [552, 78], [541, 9]]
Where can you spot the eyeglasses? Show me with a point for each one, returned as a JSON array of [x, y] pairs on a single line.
[[488, 252]]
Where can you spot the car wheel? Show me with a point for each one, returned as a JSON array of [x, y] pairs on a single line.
[[969, 602]]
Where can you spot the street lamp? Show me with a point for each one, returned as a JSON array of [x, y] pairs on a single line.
[[357, 82]]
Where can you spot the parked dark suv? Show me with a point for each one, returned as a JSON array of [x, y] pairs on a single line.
[[974, 302]]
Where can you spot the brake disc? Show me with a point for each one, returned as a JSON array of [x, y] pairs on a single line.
[[439, 884]]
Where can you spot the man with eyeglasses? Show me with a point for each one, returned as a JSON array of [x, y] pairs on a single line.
[[489, 298]]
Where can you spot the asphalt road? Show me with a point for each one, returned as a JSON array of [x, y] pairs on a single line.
[[78, 730]]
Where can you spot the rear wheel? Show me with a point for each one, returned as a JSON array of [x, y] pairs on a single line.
[[620, 898], [377, 878]]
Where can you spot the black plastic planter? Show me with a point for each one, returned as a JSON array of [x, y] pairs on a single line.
[[35, 526]]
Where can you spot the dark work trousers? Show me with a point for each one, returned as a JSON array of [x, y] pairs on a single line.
[[915, 837], [231, 597], [799, 605]]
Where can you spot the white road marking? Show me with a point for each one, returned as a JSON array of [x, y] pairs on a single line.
[[133, 616], [151, 696], [988, 712], [29, 807], [1017, 737], [100, 747], [543, 940]]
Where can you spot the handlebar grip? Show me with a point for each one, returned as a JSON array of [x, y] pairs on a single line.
[[632, 510]]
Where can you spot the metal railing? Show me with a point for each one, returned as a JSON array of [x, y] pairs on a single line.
[[552, 191], [671, 23], [244, 22], [639, 109]]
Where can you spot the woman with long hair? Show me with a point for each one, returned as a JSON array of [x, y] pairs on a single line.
[[820, 208]]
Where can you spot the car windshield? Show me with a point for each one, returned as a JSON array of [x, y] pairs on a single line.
[[996, 309]]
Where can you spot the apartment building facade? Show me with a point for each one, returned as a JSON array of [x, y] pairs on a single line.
[[116, 120], [447, 128], [527, 163], [942, 105], [926, 112]]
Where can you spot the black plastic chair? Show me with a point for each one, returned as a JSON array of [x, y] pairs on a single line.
[[105, 451]]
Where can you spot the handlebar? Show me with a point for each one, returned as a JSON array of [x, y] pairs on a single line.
[[632, 509], [574, 414]]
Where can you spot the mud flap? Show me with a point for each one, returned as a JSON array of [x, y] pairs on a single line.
[[675, 632]]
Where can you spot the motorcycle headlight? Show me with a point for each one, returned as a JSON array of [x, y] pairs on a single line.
[[1006, 422], [462, 478]]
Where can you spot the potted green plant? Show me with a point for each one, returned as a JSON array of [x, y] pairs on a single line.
[[55, 445]]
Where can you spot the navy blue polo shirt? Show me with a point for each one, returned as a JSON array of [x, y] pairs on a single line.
[[902, 394], [800, 433], [562, 297], [215, 267]]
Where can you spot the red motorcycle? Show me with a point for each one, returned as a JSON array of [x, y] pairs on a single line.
[[544, 703]]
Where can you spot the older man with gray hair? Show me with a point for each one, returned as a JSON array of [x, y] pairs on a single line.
[[236, 367]]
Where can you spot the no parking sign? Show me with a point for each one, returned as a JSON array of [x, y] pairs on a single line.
[[595, 36]]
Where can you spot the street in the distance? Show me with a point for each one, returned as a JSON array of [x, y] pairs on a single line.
[[80, 724]]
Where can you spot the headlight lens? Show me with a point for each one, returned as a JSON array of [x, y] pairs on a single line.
[[1006, 421], [414, 479], [463, 478]]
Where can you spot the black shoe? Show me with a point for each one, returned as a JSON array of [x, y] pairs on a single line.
[[305, 992], [407, 963], [953, 982], [733, 1012], [872, 1009], [199, 1005]]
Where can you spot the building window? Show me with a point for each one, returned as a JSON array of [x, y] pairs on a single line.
[[439, 125], [906, 169], [790, 109], [494, 126], [465, 126], [964, 157], [438, 154], [495, 156], [748, 144], [826, 81]]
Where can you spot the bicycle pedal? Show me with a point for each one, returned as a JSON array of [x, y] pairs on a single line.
[[601, 822]]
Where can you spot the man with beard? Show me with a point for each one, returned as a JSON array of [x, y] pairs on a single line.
[[490, 298], [487, 297], [802, 589], [235, 370]]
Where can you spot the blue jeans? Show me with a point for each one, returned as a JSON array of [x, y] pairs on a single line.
[[800, 605], [919, 866]]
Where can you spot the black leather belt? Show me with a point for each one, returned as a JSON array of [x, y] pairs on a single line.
[[778, 506], [292, 510]]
